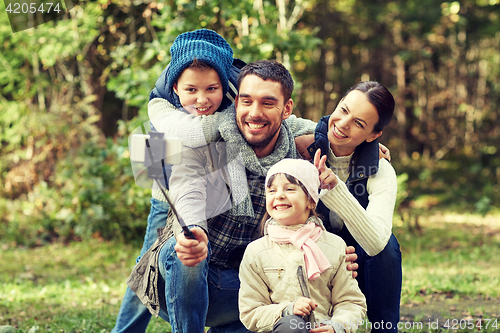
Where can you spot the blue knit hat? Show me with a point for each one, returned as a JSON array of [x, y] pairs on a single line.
[[204, 45]]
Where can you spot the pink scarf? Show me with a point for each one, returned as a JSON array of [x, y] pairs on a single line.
[[304, 238]]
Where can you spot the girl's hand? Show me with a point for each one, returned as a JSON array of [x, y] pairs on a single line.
[[327, 179], [351, 257], [303, 306]]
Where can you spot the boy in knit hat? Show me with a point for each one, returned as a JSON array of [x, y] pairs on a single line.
[[168, 112], [195, 83]]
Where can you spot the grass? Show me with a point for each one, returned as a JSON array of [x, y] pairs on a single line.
[[79, 287], [59, 288], [451, 273], [458, 260]]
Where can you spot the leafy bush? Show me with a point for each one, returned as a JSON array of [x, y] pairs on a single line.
[[91, 194]]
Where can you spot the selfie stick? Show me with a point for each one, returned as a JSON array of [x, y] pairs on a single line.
[[155, 173]]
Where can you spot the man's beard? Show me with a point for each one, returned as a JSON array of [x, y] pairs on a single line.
[[263, 143], [267, 140]]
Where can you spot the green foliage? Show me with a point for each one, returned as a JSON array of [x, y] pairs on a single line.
[[92, 194], [402, 194], [457, 183]]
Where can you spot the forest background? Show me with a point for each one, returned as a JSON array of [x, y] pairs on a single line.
[[74, 88]]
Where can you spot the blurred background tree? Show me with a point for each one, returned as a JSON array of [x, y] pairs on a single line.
[[73, 89]]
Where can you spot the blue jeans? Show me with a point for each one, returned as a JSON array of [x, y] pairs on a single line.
[[290, 324], [133, 315], [195, 297], [380, 279]]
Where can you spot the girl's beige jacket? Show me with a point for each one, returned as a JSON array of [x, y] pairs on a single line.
[[269, 283]]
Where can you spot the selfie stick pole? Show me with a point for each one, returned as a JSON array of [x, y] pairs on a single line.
[[152, 173]]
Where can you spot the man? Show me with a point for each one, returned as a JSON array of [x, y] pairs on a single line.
[[193, 283]]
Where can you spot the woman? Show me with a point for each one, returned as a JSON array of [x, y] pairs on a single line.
[[360, 206]]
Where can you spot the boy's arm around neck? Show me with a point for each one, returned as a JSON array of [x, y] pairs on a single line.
[[194, 131], [300, 126]]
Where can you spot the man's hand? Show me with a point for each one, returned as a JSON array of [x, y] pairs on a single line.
[[192, 251], [303, 306], [351, 257], [302, 143], [323, 329], [383, 152]]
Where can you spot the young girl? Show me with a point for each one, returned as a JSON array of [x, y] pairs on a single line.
[[294, 278]]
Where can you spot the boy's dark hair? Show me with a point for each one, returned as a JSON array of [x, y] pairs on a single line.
[[269, 70], [292, 180], [199, 64]]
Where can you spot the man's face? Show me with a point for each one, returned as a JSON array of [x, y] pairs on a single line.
[[260, 110]]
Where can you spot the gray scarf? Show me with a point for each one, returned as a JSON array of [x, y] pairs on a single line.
[[242, 156]]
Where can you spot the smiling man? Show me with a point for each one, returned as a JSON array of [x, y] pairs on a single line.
[[262, 105], [219, 192]]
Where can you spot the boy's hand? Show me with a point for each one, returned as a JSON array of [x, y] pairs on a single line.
[[351, 257], [302, 143], [327, 179], [192, 251], [303, 306]]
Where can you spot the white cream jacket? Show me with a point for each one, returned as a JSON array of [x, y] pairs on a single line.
[[269, 283]]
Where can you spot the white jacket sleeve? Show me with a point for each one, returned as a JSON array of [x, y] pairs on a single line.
[[194, 131], [372, 227]]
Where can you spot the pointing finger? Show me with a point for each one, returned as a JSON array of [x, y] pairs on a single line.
[[322, 164], [317, 157]]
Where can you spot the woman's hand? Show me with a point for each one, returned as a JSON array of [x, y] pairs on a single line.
[[303, 306], [192, 251], [327, 179]]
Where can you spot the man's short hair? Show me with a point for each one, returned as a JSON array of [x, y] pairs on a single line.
[[269, 70]]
